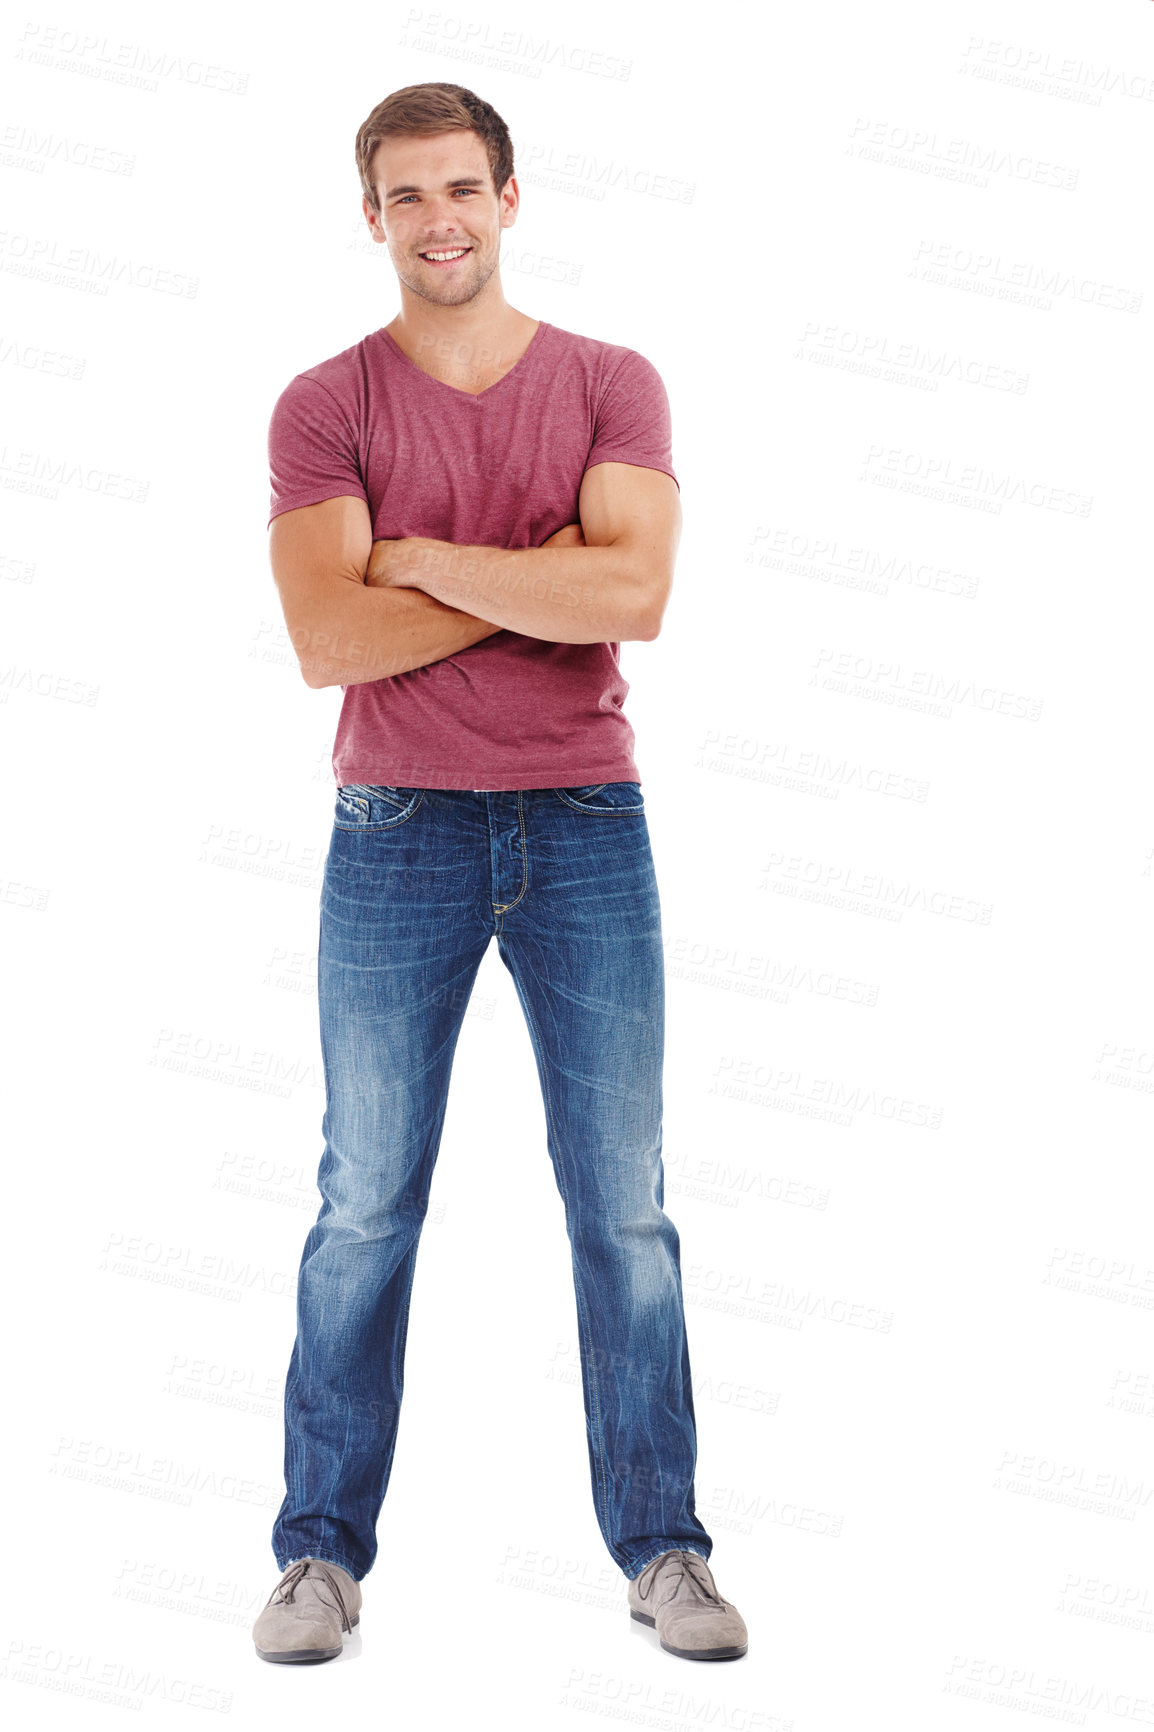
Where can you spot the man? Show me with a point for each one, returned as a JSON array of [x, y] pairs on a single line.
[[471, 509]]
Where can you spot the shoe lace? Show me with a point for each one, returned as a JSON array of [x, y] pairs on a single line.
[[296, 1573], [681, 1566]]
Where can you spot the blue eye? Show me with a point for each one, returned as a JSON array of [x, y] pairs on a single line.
[[469, 191]]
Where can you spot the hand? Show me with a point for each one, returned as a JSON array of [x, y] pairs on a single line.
[[570, 535]]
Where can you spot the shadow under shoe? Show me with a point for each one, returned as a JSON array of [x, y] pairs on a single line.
[[678, 1596], [307, 1613]]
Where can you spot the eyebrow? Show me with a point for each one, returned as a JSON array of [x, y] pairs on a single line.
[[462, 180]]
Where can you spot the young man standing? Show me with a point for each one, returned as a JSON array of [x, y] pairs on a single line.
[[471, 509]]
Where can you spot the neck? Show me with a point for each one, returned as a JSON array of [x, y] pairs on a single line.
[[468, 344]]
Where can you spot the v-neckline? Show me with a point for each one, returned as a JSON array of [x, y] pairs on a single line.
[[473, 396]]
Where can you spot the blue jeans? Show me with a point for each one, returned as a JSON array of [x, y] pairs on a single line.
[[416, 883]]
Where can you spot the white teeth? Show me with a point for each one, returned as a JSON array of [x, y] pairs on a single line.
[[454, 255]]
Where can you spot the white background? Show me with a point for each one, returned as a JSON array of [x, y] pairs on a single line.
[[893, 264]]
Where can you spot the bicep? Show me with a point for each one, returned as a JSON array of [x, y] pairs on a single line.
[[639, 508], [315, 551], [317, 547]]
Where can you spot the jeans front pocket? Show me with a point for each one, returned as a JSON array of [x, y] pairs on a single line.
[[374, 805], [607, 799]]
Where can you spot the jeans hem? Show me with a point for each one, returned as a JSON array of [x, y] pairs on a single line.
[[322, 1558], [661, 1550]]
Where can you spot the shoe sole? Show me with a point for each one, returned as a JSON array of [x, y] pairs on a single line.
[[302, 1656], [692, 1653]]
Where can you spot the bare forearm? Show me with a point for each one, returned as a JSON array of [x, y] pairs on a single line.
[[561, 594], [372, 634]]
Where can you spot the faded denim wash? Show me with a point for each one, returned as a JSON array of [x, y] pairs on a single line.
[[416, 884]]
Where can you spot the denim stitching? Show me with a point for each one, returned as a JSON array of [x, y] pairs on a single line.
[[401, 1349], [538, 1043], [704, 1556], [505, 906], [386, 823], [321, 1558], [582, 1314], [384, 789], [599, 811]]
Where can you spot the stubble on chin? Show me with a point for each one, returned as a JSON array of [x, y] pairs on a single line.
[[464, 290]]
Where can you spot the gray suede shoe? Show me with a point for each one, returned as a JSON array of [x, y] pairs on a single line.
[[308, 1612], [677, 1594]]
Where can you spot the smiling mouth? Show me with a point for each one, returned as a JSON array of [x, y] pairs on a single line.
[[445, 255]]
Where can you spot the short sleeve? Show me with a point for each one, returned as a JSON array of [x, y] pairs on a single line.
[[312, 451], [633, 423]]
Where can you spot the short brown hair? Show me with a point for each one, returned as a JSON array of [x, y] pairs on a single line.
[[431, 108]]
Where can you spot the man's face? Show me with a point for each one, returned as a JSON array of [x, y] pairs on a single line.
[[437, 197]]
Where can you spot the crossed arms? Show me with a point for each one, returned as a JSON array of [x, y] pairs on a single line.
[[358, 609]]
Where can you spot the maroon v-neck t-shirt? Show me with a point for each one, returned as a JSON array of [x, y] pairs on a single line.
[[498, 469]]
